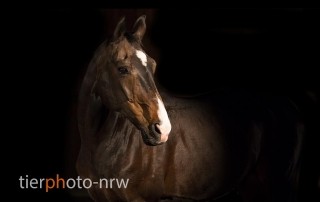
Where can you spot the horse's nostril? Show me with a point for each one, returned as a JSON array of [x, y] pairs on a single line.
[[156, 128]]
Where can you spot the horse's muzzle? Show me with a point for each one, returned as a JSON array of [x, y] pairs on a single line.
[[152, 138]]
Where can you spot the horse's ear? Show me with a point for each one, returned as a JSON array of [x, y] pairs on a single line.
[[120, 29], [139, 28]]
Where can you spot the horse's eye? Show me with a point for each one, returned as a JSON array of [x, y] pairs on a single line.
[[123, 70]]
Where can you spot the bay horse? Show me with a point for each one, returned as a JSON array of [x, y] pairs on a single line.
[[179, 148]]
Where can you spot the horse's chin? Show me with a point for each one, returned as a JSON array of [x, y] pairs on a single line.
[[149, 140]]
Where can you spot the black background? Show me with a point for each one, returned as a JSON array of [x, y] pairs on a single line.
[[272, 51]]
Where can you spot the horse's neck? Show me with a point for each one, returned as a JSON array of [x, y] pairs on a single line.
[[116, 129], [118, 137]]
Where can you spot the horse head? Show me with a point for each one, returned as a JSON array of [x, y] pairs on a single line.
[[125, 82]]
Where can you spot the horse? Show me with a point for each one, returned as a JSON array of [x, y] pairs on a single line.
[[179, 147]]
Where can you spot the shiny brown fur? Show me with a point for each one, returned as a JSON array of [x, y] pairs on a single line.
[[215, 141]]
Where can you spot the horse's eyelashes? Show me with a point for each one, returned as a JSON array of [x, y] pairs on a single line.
[[123, 70]]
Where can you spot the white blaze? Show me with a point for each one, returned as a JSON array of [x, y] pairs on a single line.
[[142, 56], [164, 125]]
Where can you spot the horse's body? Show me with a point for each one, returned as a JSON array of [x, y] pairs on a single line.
[[215, 141]]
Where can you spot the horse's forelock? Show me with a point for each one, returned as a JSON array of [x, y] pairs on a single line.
[[131, 39]]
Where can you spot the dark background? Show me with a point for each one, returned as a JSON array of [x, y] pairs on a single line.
[[268, 51]]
